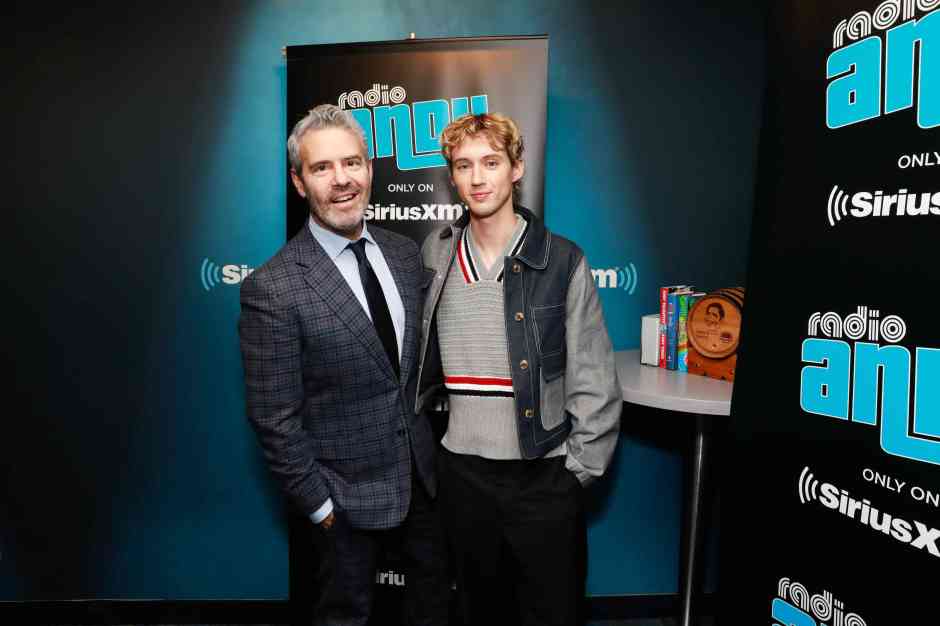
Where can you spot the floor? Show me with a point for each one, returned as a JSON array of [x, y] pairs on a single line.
[[706, 621], [632, 622]]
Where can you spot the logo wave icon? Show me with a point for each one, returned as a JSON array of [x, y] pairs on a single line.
[[807, 486], [210, 274], [628, 278], [619, 277], [836, 207]]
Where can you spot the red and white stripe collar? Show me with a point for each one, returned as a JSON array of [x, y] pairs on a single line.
[[468, 266]]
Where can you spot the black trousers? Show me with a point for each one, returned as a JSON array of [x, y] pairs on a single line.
[[516, 530], [343, 562]]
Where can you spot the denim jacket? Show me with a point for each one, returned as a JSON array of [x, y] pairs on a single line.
[[563, 373]]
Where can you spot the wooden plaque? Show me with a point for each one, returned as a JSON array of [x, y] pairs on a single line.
[[714, 330]]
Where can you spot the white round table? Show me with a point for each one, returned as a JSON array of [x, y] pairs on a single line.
[[703, 400]]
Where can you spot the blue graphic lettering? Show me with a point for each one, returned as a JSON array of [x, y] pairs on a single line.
[[899, 74], [894, 363], [392, 129], [478, 104], [788, 615], [824, 390], [912, 49], [431, 116], [856, 95], [412, 133], [922, 443], [364, 117], [927, 403]]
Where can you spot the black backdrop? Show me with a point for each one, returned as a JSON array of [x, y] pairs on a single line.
[[428, 83], [805, 434]]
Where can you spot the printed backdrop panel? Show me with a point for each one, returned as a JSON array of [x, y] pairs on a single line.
[[832, 484], [403, 94]]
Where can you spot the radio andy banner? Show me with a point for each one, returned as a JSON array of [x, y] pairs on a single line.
[[831, 484], [403, 94]]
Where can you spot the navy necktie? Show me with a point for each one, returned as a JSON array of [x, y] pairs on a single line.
[[378, 307]]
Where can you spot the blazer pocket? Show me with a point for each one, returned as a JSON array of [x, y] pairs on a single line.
[[426, 277], [345, 449]]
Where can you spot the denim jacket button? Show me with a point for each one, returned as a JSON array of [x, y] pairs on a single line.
[[528, 412], [516, 268], [519, 316], [523, 365]]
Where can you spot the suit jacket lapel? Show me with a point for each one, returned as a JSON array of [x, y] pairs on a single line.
[[409, 296], [330, 286]]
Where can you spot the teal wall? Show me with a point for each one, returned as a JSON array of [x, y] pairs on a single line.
[[150, 140]]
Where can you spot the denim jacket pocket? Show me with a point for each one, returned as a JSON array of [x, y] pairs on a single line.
[[549, 323], [552, 391], [552, 402]]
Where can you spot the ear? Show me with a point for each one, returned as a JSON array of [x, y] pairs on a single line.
[[518, 170], [298, 183]]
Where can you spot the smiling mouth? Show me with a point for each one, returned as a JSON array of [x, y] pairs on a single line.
[[480, 196], [344, 198]]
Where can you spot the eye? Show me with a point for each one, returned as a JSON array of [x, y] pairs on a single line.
[[492, 163], [354, 164], [319, 168]]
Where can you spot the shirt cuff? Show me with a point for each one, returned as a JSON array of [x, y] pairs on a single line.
[[323, 512]]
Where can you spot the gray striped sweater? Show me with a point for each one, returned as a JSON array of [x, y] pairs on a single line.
[[472, 335]]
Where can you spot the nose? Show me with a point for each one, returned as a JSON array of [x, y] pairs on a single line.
[[340, 177], [476, 176]]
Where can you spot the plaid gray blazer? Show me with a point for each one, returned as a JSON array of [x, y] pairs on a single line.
[[332, 419]]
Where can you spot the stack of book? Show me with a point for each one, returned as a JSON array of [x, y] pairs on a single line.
[[675, 302]]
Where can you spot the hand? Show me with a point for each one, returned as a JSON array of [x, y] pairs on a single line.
[[328, 521]]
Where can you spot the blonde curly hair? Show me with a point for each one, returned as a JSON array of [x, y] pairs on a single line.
[[500, 130]]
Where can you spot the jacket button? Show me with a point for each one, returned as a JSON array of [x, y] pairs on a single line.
[[523, 365], [516, 268], [528, 412], [519, 316]]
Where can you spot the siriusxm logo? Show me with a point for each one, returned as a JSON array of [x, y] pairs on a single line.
[[211, 274], [867, 383], [393, 212], [862, 511], [409, 132], [624, 278], [878, 204], [390, 577], [793, 606], [908, 51]]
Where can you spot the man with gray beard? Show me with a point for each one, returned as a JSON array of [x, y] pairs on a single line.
[[329, 332]]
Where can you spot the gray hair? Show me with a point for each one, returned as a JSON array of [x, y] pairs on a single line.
[[319, 117]]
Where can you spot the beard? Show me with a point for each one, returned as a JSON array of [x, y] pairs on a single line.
[[342, 220]]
